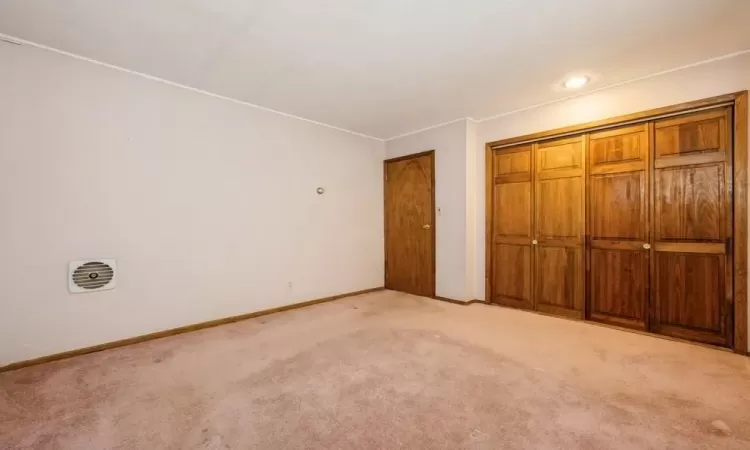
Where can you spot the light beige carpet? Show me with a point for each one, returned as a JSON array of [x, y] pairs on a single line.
[[385, 371]]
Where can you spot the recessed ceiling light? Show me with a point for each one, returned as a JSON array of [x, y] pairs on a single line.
[[575, 82]]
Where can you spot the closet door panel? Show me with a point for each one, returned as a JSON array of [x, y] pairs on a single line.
[[701, 132], [618, 286], [690, 203], [559, 226], [618, 226], [688, 286], [692, 226], [512, 273], [513, 209], [560, 280], [559, 212], [618, 207]]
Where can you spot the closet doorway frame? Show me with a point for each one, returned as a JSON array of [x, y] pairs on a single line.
[[738, 101]]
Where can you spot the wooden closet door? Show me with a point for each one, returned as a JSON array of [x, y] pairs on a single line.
[[559, 226], [512, 227], [692, 265], [618, 226]]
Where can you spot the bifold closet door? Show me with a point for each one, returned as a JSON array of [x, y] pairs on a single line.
[[618, 199], [512, 226], [692, 267], [559, 226]]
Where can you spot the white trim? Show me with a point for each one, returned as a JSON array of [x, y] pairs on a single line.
[[583, 94], [15, 40], [428, 128]]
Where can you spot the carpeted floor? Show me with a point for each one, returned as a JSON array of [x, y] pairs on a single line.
[[384, 371]]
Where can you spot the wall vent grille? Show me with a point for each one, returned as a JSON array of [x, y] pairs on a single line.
[[91, 275]]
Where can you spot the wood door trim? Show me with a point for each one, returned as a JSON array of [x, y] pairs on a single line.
[[431, 154], [740, 191], [489, 182], [740, 235], [621, 120]]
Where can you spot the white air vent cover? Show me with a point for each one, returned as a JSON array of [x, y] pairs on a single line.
[[92, 275]]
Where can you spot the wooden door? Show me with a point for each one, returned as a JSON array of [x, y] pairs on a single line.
[[618, 255], [512, 206], [559, 226], [409, 224], [692, 265]]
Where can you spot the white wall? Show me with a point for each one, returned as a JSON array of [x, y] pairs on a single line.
[[708, 80], [449, 143], [209, 206]]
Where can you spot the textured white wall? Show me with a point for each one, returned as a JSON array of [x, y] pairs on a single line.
[[708, 80], [449, 143], [209, 206]]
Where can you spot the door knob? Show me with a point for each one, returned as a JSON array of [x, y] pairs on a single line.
[[426, 226], [647, 246], [534, 242]]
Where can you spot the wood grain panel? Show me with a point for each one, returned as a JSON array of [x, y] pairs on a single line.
[[514, 240], [617, 146], [606, 244], [559, 208], [690, 293], [618, 287], [512, 219], [559, 278], [513, 275], [691, 272], [690, 203], [518, 161], [715, 248], [513, 178], [560, 154], [618, 214], [699, 158], [559, 226], [693, 133], [512, 209], [617, 206], [740, 236], [409, 225], [627, 166]]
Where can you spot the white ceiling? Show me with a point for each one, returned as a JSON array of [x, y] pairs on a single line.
[[385, 67]]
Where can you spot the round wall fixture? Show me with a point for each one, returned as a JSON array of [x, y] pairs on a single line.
[[91, 275], [320, 190]]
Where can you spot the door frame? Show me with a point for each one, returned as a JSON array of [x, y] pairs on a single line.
[[739, 101], [431, 154]]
